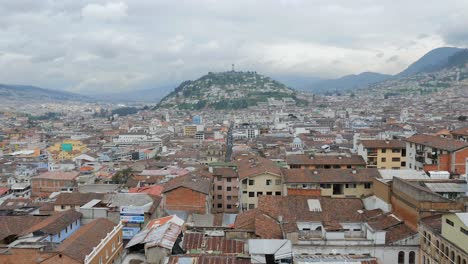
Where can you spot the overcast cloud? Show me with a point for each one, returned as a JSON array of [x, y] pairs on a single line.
[[89, 46]]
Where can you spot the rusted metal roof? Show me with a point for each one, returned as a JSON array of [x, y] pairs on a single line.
[[198, 243]]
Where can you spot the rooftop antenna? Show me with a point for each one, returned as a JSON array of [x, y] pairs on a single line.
[[233, 67]]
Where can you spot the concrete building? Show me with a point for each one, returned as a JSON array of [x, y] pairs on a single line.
[[330, 182], [258, 176], [433, 153], [383, 154], [444, 239], [225, 191], [330, 161]]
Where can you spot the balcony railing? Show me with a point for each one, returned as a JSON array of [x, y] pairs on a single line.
[[310, 234]]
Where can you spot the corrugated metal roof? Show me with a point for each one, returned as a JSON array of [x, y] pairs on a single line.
[[446, 187]]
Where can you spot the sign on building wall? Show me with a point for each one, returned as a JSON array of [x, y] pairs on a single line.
[[132, 214], [129, 232]]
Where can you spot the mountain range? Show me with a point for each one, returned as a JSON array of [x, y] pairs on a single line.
[[435, 60], [27, 92]]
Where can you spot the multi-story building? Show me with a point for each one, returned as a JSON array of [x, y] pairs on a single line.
[[191, 130], [66, 150], [225, 190], [444, 239], [258, 176], [52, 181], [383, 154], [191, 193], [433, 153], [331, 161], [330, 182]]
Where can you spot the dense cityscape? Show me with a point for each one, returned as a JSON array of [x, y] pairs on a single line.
[[238, 166]]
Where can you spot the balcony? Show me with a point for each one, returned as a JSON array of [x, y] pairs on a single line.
[[372, 154]]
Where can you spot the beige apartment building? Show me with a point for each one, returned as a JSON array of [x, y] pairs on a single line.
[[383, 154], [258, 176]]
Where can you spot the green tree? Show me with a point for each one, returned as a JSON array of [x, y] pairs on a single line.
[[121, 177]]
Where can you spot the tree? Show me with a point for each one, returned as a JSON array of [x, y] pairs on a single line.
[[121, 177]]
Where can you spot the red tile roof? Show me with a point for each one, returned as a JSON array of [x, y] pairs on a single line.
[[82, 242], [438, 142], [251, 166], [303, 159], [330, 175], [381, 144]]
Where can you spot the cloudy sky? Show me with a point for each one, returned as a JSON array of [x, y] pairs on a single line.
[[124, 45]]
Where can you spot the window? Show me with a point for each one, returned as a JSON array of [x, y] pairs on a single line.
[[403, 164], [458, 259], [118, 239], [277, 193], [395, 150], [220, 205], [464, 231], [367, 185], [268, 182], [383, 159], [325, 186], [251, 194], [351, 185], [100, 259], [396, 159], [278, 182], [269, 193], [244, 192], [251, 182], [401, 257], [229, 188], [218, 178], [229, 197], [259, 194], [220, 188], [62, 206], [449, 222], [113, 247], [228, 179], [384, 150], [107, 254], [219, 197], [228, 206], [251, 206]]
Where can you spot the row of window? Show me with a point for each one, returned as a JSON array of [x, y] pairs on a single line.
[[267, 182], [252, 194], [228, 197], [401, 257], [393, 159], [441, 248]]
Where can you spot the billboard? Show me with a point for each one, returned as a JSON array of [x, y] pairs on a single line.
[[132, 214], [137, 219], [132, 210]]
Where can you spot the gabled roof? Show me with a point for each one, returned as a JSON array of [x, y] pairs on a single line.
[[251, 166], [330, 175], [77, 198], [381, 144], [15, 225], [191, 181], [82, 242], [55, 223], [438, 142]]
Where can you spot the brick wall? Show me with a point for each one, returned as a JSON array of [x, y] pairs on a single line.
[[185, 199]]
